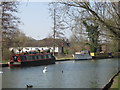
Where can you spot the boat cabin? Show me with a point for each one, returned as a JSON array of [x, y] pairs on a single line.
[[30, 57]]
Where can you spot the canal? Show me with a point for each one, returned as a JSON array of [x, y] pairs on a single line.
[[76, 74]]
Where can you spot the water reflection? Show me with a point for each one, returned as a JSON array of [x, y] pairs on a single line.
[[78, 74]]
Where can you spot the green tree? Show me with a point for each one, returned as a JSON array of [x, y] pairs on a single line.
[[93, 35]]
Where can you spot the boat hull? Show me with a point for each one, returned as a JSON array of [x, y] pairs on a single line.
[[33, 63], [82, 57]]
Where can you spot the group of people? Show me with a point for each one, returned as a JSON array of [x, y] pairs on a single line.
[[13, 51], [37, 51]]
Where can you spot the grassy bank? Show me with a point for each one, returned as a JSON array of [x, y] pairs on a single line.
[[69, 56], [4, 61], [116, 54], [116, 83], [63, 57]]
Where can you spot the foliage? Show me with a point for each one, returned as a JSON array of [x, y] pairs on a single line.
[[114, 45], [6, 54], [93, 35]]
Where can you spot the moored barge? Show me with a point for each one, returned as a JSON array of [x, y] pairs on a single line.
[[83, 55], [32, 59]]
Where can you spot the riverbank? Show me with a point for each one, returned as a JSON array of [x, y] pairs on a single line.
[[97, 56], [116, 83], [69, 57], [113, 82], [64, 57]]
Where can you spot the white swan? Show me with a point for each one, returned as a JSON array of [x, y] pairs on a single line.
[[1, 72], [45, 70]]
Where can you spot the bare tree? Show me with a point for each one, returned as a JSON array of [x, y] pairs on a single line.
[[109, 14], [108, 18], [58, 27], [9, 23]]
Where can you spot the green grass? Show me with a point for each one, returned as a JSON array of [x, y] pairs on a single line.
[[4, 61], [116, 83], [62, 57]]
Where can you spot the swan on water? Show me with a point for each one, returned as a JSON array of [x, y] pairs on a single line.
[[1, 71], [45, 69]]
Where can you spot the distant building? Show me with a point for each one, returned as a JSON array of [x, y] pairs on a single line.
[[104, 48], [44, 44]]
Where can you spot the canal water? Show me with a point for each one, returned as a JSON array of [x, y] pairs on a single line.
[[63, 74]]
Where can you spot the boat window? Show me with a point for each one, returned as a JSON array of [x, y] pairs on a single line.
[[36, 57], [42, 56], [29, 57], [22, 57], [15, 58], [26, 57], [33, 57], [39, 56], [49, 56], [46, 56]]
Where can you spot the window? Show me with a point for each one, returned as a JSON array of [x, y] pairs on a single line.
[[42, 57], [22, 57], [49, 56], [36, 57], [29, 57], [46, 56], [33, 57], [39, 56]]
